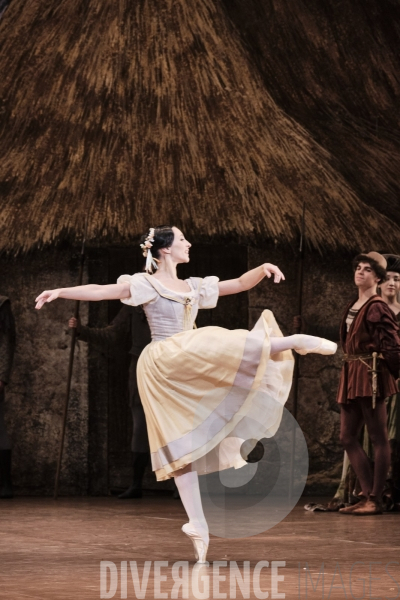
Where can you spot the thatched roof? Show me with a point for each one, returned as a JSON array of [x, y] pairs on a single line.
[[338, 76], [136, 113]]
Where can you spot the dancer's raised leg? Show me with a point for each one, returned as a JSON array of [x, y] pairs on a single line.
[[197, 528], [302, 344]]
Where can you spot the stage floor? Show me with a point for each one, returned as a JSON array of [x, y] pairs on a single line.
[[53, 550]]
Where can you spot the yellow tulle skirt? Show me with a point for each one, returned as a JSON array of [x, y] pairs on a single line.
[[207, 391]]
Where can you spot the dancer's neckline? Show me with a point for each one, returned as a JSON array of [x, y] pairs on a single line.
[[191, 291]]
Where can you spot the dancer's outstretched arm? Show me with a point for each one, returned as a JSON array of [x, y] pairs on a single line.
[[114, 291], [250, 279]]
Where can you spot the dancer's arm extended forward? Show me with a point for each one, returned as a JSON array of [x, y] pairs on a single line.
[[114, 291], [250, 279]]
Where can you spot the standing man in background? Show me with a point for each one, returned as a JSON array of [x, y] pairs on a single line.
[[389, 290], [368, 326], [7, 347], [130, 321]]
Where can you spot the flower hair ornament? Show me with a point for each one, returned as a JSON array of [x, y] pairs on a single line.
[[151, 263]]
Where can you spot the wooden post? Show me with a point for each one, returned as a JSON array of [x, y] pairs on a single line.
[[70, 367]]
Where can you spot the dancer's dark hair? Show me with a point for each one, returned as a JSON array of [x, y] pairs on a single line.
[[163, 238]]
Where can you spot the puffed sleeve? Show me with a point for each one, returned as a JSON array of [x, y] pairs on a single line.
[[142, 292], [209, 291]]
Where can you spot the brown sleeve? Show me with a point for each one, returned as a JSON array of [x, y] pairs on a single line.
[[112, 334], [384, 332]]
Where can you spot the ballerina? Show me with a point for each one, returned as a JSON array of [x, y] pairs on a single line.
[[197, 385]]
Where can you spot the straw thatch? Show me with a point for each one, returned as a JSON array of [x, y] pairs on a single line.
[[338, 76], [141, 112]]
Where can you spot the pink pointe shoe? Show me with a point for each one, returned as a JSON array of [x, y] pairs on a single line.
[[199, 545], [324, 347]]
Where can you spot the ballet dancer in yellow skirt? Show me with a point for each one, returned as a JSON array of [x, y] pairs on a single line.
[[198, 385]]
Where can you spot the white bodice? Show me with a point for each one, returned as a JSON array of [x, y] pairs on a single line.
[[169, 312]]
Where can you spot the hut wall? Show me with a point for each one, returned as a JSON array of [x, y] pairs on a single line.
[[36, 393], [97, 454]]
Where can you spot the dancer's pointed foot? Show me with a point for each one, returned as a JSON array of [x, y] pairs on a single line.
[[200, 544], [308, 344]]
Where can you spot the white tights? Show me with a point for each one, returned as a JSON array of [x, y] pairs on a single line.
[[291, 342], [189, 491]]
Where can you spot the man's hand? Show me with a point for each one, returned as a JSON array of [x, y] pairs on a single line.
[[74, 324], [297, 323]]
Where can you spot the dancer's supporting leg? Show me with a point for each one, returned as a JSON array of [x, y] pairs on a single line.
[[302, 344], [197, 528]]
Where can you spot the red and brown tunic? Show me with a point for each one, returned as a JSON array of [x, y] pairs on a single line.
[[374, 329]]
